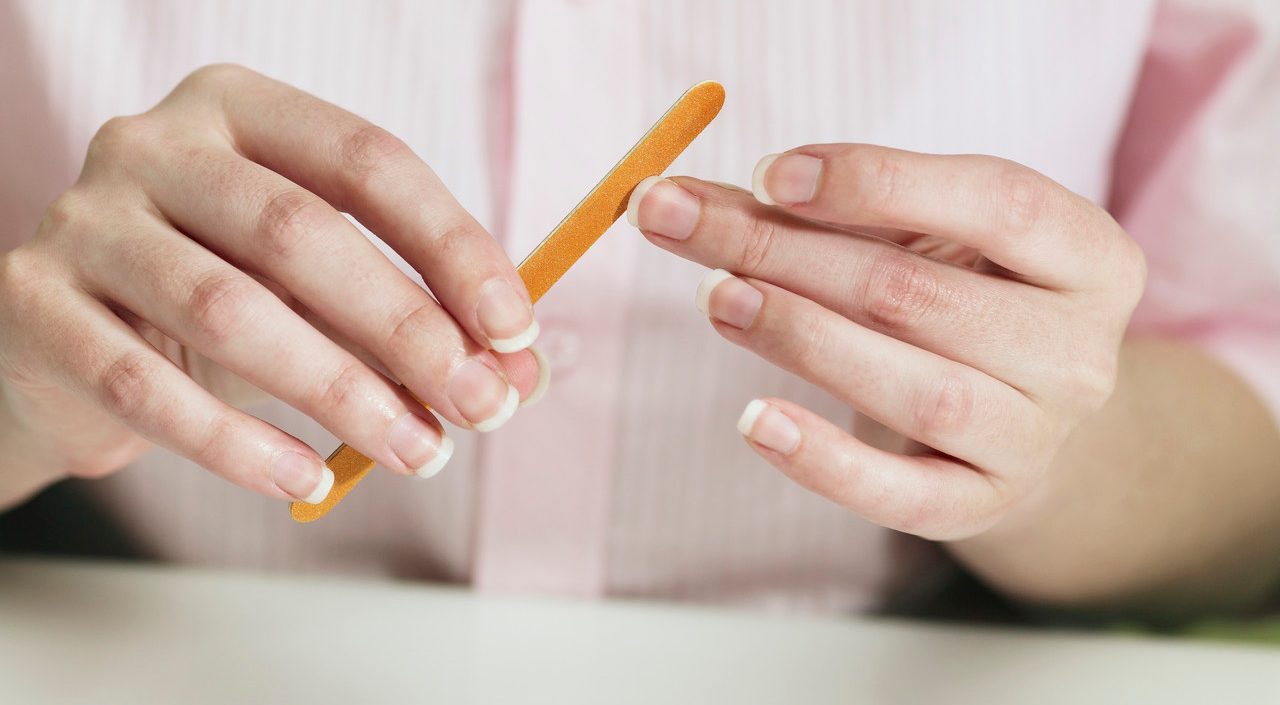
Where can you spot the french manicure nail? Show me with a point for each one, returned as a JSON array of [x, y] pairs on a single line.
[[702, 299], [786, 179], [728, 299], [661, 207], [301, 477], [505, 316], [637, 195], [769, 427], [544, 379], [482, 396], [436, 464], [418, 444]]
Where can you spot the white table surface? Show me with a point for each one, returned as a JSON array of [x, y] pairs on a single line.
[[104, 634]]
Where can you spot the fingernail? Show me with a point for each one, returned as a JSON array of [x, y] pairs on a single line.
[[728, 299], [769, 427], [544, 379], [786, 178], [443, 453], [661, 207], [505, 316], [301, 477], [419, 445], [484, 398]]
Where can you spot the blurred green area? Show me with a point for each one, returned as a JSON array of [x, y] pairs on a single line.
[[956, 597]]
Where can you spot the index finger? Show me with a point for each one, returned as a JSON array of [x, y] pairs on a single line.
[[1015, 216], [364, 170]]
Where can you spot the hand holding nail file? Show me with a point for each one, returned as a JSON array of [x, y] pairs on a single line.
[[567, 242]]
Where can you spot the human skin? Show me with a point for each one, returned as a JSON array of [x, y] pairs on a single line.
[[202, 259], [976, 312]]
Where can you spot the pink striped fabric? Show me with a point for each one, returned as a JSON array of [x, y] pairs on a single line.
[[629, 479]]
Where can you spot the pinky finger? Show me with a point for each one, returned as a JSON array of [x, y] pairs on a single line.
[[930, 496], [142, 389]]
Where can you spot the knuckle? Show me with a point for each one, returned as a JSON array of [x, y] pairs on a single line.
[[288, 221], [368, 151], [409, 328], [215, 76], [449, 238], [1094, 385], [23, 281], [876, 176], [122, 137], [900, 292], [943, 408], [68, 209], [1022, 195], [813, 350], [758, 238], [126, 385], [221, 305], [218, 435], [342, 387], [15, 285]]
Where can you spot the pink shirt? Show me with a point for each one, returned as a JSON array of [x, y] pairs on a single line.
[[629, 479]]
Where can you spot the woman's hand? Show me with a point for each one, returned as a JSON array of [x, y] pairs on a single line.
[[204, 246], [968, 303]]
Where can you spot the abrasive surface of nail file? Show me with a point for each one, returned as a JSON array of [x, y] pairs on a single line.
[[660, 146]]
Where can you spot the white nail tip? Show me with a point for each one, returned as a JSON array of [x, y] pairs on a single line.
[[749, 415], [708, 285], [443, 453], [322, 490], [637, 195], [503, 415], [544, 379], [516, 343], [757, 180]]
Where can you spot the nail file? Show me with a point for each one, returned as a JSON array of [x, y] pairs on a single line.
[[579, 230]]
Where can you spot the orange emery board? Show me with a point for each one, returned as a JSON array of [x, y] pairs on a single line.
[[579, 230]]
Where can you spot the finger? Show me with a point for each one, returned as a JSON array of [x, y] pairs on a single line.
[[364, 170], [987, 322], [1017, 217], [530, 373], [929, 496], [943, 404], [134, 384], [695, 184], [209, 306], [527, 370], [262, 222]]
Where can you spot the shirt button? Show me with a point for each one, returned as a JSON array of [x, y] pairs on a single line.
[[561, 345]]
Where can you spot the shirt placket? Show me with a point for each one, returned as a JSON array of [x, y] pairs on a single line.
[[544, 484]]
